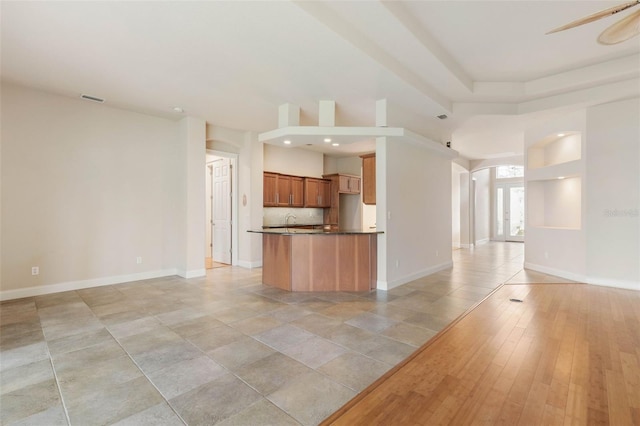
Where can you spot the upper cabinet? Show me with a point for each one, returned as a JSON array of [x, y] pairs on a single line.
[[270, 189], [282, 190], [317, 193], [345, 184], [369, 178]]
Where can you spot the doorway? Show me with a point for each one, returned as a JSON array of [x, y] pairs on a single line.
[[509, 212], [220, 211]]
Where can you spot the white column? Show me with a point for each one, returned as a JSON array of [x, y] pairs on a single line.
[[381, 113], [288, 115], [327, 114]]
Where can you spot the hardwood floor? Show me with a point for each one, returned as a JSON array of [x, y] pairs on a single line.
[[209, 263], [568, 354]]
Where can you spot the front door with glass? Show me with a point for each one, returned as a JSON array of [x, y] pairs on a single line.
[[509, 209]]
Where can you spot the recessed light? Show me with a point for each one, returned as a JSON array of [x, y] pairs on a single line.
[[327, 140], [560, 177], [287, 142], [178, 109], [335, 144], [560, 135]]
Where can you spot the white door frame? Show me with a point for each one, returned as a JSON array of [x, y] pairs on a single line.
[[234, 201]]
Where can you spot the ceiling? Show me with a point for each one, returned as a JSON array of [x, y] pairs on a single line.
[[487, 65]]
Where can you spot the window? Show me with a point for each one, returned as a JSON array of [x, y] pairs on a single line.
[[505, 172]]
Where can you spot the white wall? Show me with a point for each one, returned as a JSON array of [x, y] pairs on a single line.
[[613, 193], [414, 211], [605, 250], [482, 205], [293, 161], [465, 211], [86, 189], [455, 205]]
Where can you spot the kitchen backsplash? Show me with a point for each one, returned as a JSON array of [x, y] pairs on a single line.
[[276, 216]]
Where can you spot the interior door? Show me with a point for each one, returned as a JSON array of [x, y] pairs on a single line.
[[509, 224], [209, 223], [222, 210]]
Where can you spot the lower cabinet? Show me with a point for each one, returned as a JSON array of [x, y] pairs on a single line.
[[320, 262]]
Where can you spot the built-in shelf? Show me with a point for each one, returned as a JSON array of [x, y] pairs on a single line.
[[554, 182], [561, 170], [560, 228], [555, 203], [555, 149]]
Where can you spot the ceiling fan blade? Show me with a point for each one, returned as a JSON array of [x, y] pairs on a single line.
[[598, 15], [621, 30]]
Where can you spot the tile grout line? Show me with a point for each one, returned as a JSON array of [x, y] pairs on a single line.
[[141, 371], [53, 368]]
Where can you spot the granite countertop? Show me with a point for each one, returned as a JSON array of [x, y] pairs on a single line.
[[302, 231]]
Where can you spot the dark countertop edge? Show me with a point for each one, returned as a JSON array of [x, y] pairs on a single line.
[[293, 225], [282, 231]]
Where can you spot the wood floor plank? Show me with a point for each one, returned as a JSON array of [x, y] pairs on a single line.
[[569, 354]]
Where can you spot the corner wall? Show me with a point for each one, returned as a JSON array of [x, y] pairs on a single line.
[[413, 211], [613, 194]]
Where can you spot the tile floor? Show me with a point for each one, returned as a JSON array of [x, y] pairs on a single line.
[[223, 349]]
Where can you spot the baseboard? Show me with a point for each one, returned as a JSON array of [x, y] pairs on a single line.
[[250, 265], [557, 272], [605, 282], [482, 241], [194, 273], [608, 282], [388, 285], [82, 284], [466, 246]]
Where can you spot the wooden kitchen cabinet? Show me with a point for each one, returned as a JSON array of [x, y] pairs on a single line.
[[340, 184], [325, 193], [290, 191], [349, 184], [282, 190], [369, 178], [270, 189], [344, 184], [317, 193], [297, 191]]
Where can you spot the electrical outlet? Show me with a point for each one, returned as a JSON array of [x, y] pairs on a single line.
[[437, 253], [389, 215], [35, 270], [397, 263], [546, 254], [138, 260]]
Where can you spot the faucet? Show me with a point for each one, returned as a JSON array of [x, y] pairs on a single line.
[[287, 217]]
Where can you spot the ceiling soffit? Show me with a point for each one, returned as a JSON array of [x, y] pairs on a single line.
[[367, 32]]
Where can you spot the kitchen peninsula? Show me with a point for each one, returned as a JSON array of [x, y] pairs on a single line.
[[297, 259]]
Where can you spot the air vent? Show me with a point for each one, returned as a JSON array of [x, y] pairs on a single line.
[[92, 98], [442, 116]]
